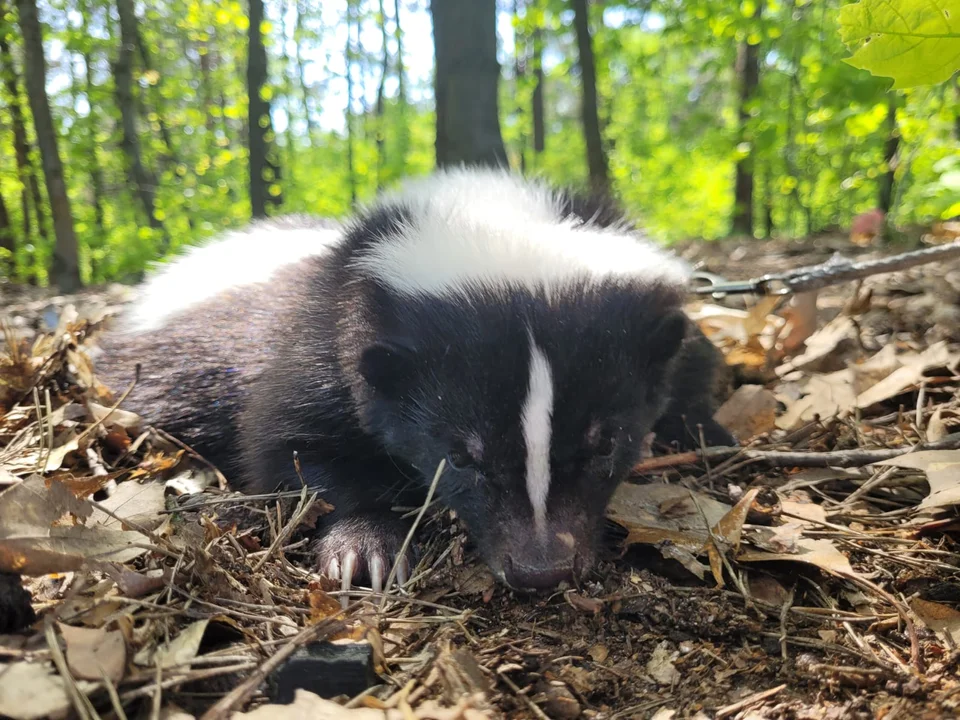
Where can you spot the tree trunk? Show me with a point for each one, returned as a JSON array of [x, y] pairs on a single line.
[[465, 83], [7, 243], [748, 72], [301, 72], [539, 122], [348, 54], [381, 98], [890, 147], [290, 138], [403, 129], [519, 70], [93, 122], [65, 270], [130, 29], [596, 155], [30, 186], [141, 177], [263, 172]]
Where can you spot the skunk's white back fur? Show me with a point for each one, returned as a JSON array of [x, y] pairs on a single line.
[[239, 258], [492, 229], [467, 228]]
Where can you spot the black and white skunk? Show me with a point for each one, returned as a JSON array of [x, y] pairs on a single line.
[[531, 338]]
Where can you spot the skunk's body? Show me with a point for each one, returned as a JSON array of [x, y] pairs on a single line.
[[530, 338]]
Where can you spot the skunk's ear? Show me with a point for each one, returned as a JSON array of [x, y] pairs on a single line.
[[667, 336], [389, 367]]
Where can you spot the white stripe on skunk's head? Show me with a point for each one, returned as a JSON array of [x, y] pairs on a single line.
[[468, 228], [235, 260]]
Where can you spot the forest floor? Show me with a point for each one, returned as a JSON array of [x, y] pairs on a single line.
[[814, 573]]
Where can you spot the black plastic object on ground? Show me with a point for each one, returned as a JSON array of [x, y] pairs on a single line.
[[325, 668], [15, 610]]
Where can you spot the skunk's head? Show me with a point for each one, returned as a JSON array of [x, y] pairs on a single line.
[[529, 348]]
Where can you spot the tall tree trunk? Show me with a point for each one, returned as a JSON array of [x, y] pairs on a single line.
[[65, 270], [465, 83], [142, 177], [290, 138], [748, 72], [130, 29], [7, 243], [348, 54], [381, 98], [301, 71], [890, 147], [93, 122], [596, 155], [263, 172], [30, 186], [519, 70], [956, 101], [403, 128], [539, 122]]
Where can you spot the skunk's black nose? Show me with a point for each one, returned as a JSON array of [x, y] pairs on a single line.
[[540, 577]]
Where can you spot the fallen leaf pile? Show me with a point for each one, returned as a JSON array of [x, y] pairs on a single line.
[[811, 572]]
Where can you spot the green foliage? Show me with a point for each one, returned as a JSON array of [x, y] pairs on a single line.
[[816, 133], [916, 42]]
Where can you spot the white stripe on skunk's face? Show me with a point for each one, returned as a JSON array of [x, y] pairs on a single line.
[[491, 229], [536, 418], [235, 260]]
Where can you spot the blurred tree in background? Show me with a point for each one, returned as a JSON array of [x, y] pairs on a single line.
[[153, 125]]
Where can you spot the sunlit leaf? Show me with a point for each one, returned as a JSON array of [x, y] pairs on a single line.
[[915, 42]]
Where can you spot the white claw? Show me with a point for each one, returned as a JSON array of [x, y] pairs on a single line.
[[346, 579], [333, 570], [403, 571], [376, 573]]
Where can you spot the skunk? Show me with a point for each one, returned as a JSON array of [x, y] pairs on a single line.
[[529, 336]]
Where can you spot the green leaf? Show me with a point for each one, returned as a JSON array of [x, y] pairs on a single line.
[[915, 42]]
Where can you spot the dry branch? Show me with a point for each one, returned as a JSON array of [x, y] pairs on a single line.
[[835, 271], [856, 457]]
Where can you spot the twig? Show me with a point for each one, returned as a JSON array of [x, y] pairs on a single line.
[[413, 528], [113, 408], [835, 271], [221, 479], [856, 457], [749, 700], [302, 508]]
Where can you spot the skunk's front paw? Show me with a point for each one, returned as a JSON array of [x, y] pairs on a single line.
[[363, 547]]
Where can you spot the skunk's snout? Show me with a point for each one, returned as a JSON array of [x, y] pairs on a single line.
[[543, 565]]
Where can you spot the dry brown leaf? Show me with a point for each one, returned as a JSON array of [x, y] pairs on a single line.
[[938, 617], [124, 419], [809, 513], [942, 468], [767, 589], [308, 706], [95, 653], [140, 503], [660, 665], [821, 345], [730, 527], [750, 411], [33, 690], [821, 553], [801, 316], [909, 375], [936, 427], [36, 540], [825, 396], [658, 506], [179, 652]]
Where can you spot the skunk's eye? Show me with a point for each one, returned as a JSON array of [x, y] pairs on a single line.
[[459, 459], [606, 444]]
